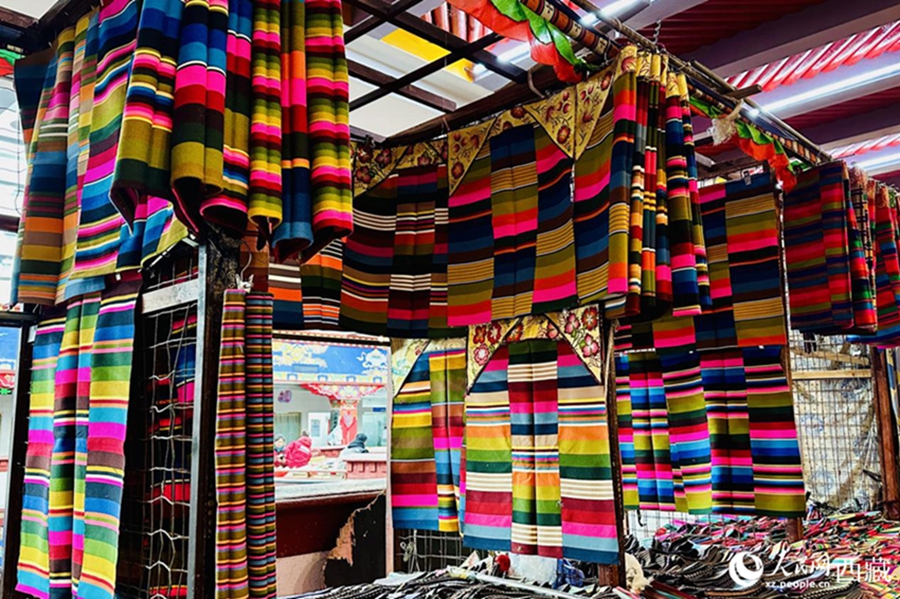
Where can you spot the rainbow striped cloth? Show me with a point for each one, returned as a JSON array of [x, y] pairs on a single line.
[[75, 459]]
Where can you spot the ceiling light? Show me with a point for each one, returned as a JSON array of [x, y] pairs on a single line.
[[838, 86], [588, 20], [877, 162], [618, 7], [752, 112], [515, 53]]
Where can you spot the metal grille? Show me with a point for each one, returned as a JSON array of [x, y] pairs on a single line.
[[834, 409], [154, 546], [426, 551]]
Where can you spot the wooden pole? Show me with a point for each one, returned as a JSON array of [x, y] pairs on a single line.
[[794, 525], [887, 435], [614, 575]]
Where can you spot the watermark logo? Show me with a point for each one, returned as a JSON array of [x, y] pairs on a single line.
[[745, 569]]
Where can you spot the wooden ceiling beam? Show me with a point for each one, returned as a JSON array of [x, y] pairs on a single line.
[[382, 81], [370, 22], [437, 36]]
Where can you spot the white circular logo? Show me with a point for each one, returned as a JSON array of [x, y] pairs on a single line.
[[742, 574]]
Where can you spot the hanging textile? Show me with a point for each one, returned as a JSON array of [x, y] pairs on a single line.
[[229, 209], [231, 453], [705, 416], [296, 232], [329, 124], [818, 252], [320, 278], [537, 479], [93, 241], [75, 458], [394, 279], [426, 439], [142, 164], [260, 453], [39, 251], [265, 185], [199, 108], [244, 458]]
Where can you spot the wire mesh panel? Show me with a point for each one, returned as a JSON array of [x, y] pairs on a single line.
[[835, 414], [425, 551], [155, 541]]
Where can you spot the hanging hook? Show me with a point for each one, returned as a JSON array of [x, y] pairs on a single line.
[[241, 283], [531, 86], [656, 31]]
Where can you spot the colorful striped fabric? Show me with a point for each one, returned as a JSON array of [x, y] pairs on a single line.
[[76, 136], [33, 573], [817, 253], [199, 108], [75, 460], [591, 204], [625, 419], [285, 287], [260, 452], [100, 226], [265, 190], [394, 279], [862, 265], [470, 253], [231, 454], [368, 260], [295, 233], [111, 364], [426, 440], [688, 430], [229, 209], [320, 278], [693, 188], [328, 89], [39, 252], [755, 286], [777, 473], [538, 477], [142, 164]]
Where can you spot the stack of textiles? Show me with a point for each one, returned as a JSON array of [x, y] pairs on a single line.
[[846, 555], [460, 584], [263, 142], [840, 232], [588, 196], [705, 412]]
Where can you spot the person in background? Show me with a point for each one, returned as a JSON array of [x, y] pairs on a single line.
[[357, 445], [279, 446], [299, 452]]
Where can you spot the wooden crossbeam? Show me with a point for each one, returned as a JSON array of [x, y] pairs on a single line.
[[404, 83], [370, 22], [435, 35], [383, 81]]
